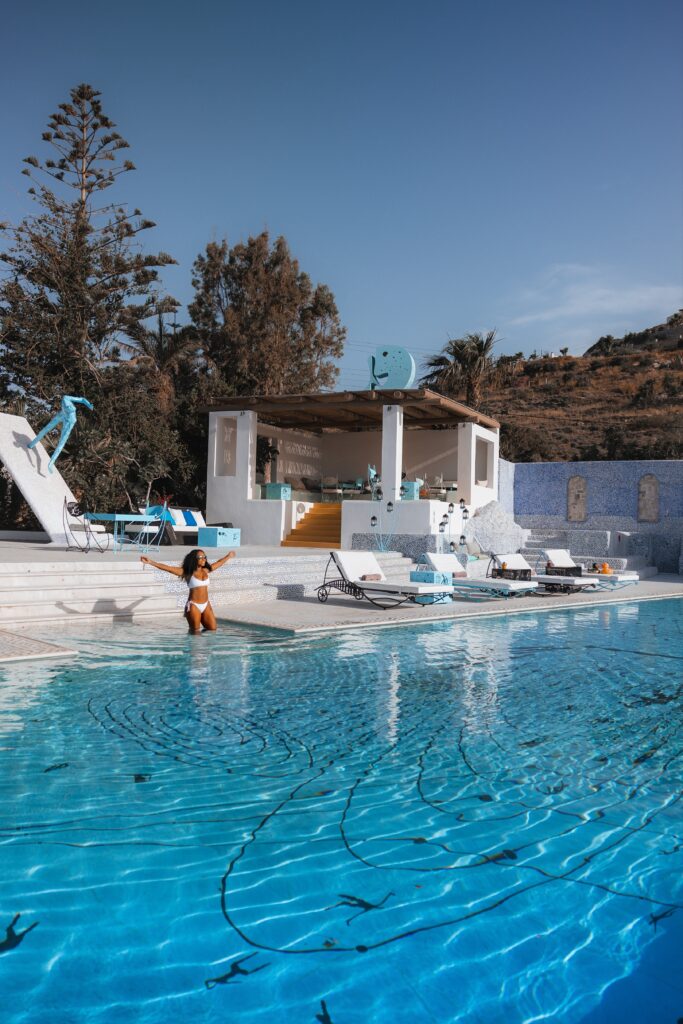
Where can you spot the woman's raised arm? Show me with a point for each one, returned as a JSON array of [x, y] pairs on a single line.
[[223, 560], [175, 570]]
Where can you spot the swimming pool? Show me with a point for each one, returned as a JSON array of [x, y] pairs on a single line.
[[476, 822]]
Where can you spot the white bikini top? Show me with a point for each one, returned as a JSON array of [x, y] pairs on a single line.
[[194, 581]]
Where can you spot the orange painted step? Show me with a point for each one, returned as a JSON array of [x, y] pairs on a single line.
[[319, 528], [329, 545]]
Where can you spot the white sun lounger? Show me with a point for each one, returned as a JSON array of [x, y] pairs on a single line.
[[465, 585], [561, 559], [568, 579], [346, 569]]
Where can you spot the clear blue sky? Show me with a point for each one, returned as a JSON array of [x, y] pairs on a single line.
[[444, 166]]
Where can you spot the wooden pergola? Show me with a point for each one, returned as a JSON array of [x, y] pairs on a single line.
[[354, 410]]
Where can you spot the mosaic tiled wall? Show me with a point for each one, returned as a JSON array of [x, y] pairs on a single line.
[[646, 496]]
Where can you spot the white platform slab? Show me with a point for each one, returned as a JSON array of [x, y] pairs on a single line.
[[44, 492]]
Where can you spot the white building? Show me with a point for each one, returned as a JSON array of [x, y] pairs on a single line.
[[408, 435]]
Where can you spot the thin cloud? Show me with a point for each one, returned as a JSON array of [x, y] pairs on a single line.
[[569, 294]]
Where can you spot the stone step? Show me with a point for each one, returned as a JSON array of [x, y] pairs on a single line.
[[314, 534], [108, 607], [51, 592]]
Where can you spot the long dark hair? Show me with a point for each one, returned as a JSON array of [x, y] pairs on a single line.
[[190, 563]]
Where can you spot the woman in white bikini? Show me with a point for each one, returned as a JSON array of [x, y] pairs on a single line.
[[195, 570]]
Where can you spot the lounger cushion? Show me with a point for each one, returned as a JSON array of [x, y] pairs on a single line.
[[512, 561], [577, 582], [613, 577], [383, 587], [186, 520], [446, 564], [559, 558], [356, 564]]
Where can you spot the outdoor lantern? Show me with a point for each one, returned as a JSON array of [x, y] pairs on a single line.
[[390, 506], [451, 508], [452, 545], [378, 493], [444, 521], [373, 521], [462, 540], [402, 492], [465, 515], [442, 528], [462, 503]]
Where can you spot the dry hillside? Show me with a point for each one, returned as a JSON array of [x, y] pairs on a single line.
[[625, 404]]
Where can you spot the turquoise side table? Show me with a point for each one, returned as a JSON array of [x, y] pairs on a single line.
[[411, 490], [281, 492], [218, 537]]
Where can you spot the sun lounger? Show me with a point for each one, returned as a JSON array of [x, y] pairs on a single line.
[[185, 524], [348, 572], [612, 580], [559, 562], [466, 586], [562, 574]]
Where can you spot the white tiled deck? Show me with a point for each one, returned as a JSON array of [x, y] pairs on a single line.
[[307, 615], [17, 647]]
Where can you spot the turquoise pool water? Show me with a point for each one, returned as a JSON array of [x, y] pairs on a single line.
[[471, 822]]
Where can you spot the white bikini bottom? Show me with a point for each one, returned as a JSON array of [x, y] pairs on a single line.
[[200, 607]]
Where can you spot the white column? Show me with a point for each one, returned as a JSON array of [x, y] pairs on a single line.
[[466, 452], [392, 452]]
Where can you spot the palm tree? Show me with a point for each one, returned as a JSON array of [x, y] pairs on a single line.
[[465, 364], [480, 364]]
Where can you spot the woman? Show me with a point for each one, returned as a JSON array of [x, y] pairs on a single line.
[[195, 570]]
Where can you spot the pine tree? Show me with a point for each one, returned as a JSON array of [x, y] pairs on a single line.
[[262, 326], [74, 280]]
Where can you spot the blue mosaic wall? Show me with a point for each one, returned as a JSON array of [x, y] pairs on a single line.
[[540, 488]]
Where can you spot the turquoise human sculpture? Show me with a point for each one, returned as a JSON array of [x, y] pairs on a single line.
[[64, 419], [391, 367]]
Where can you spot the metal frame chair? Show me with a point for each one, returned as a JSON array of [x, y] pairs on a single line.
[[73, 510]]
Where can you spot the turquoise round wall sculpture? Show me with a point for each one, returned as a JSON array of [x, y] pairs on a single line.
[[391, 367]]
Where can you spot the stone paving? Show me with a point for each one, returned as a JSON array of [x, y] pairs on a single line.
[[308, 615], [15, 647]]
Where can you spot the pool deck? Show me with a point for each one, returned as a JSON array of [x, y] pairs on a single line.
[[307, 615], [294, 614], [18, 647]]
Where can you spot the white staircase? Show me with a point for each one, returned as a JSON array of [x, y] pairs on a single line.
[[100, 587]]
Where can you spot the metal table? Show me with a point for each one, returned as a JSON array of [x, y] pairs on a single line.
[[121, 520]]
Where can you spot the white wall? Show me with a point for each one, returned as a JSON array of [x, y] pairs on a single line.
[[477, 454], [412, 517]]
